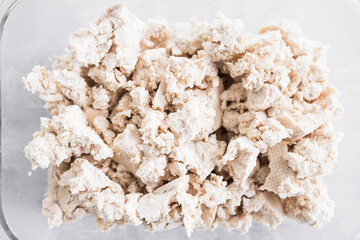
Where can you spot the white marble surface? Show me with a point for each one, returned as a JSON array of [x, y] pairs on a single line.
[[37, 29]]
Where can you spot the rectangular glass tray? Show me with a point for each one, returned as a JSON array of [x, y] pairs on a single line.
[[33, 30]]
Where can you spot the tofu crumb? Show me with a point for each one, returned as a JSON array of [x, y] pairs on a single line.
[[196, 124]]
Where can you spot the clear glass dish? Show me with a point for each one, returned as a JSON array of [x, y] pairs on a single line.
[[33, 30]]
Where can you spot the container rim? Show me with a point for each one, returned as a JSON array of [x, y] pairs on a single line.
[[6, 7]]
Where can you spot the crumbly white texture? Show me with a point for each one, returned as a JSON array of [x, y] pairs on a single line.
[[194, 124]]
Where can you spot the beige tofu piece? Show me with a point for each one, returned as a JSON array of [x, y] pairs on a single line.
[[190, 80], [121, 175], [314, 208], [126, 148], [213, 194], [197, 111], [156, 33], [214, 102], [241, 221], [244, 122], [177, 168], [273, 132], [185, 73], [282, 179], [89, 46], [266, 208], [304, 119], [235, 95], [152, 167], [231, 120], [70, 205], [310, 73], [143, 161], [94, 190], [290, 33], [155, 133], [67, 62], [58, 86], [193, 122], [300, 124], [299, 45], [140, 99], [101, 98], [315, 155], [261, 64], [208, 98], [50, 207], [240, 159], [110, 78], [200, 157], [247, 124], [328, 102], [150, 68], [131, 214], [173, 222], [59, 205], [267, 96], [198, 212], [226, 38], [155, 206], [121, 113], [309, 76], [231, 206], [98, 120], [63, 136], [160, 101], [214, 191], [186, 37], [114, 41]]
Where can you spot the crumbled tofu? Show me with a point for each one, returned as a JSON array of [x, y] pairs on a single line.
[[64, 136], [50, 207], [156, 205], [186, 37], [195, 124], [200, 156], [315, 155], [240, 159], [58, 86], [150, 69], [94, 190], [126, 148], [225, 38], [262, 64], [266, 208], [98, 120], [281, 179], [194, 121], [122, 114], [273, 132], [154, 131], [151, 168], [101, 98], [314, 207], [110, 79]]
